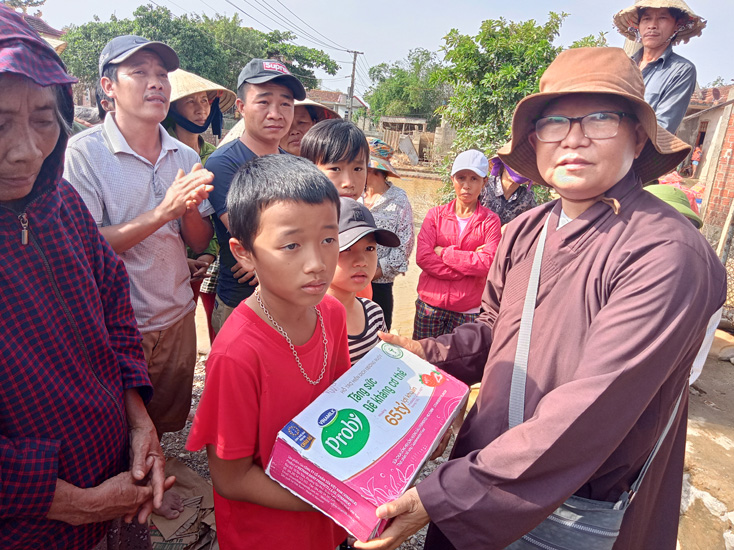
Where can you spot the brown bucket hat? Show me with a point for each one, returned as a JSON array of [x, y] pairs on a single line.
[[607, 71], [628, 19]]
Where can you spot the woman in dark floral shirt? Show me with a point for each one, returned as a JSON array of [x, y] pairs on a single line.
[[392, 211], [507, 193]]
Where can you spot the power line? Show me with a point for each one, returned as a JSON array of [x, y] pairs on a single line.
[[288, 25], [248, 15], [211, 8], [360, 72], [310, 27], [364, 64], [279, 17], [295, 73]]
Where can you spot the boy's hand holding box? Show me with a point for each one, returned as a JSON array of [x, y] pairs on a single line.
[[364, 440]]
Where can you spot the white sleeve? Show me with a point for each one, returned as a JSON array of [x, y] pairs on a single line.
[[705, 346]]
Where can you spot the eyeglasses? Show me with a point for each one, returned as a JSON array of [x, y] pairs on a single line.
[[601, 125]]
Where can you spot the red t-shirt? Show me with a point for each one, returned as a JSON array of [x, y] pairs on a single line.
[[253, 388]]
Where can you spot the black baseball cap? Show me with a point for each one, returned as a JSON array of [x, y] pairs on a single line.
[[120, 48], [356, 221], [260, 71]]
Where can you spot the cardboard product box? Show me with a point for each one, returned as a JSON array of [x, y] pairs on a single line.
[[363, 441]]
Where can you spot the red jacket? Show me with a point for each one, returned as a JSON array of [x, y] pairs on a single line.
[[456, 279]]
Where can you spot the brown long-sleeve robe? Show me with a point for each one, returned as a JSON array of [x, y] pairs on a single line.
[[622, 309]]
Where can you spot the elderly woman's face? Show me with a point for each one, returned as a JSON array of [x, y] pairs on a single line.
[[194, 107], [29, 131], [301, 124], [580, 168]]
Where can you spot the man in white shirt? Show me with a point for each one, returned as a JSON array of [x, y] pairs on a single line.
[[131, 175]]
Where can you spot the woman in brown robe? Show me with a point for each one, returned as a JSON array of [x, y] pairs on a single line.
[[626, 289]]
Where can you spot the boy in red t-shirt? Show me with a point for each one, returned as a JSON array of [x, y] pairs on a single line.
[[278, 351]]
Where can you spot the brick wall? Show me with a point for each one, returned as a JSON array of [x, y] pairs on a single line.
[[722, 192]]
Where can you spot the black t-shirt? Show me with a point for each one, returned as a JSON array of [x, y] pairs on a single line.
[[224, 164]]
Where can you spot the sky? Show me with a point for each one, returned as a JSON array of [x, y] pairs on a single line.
[[386, 36]]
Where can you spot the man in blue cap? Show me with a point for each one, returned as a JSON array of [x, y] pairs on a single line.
[[266, 90], [132, 177]]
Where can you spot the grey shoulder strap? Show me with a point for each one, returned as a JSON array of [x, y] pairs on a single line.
[[520, 370], [516, 412]]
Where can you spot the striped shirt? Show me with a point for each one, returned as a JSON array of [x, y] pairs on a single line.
[[118, 185], [374, 320]]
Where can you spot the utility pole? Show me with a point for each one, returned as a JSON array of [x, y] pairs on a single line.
[[350, 92]]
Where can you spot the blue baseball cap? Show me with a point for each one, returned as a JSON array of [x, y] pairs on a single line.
[[122, 47]]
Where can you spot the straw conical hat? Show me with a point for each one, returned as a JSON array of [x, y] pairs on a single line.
[[627, 20], [184, 83], [58, 45], [322, 113]]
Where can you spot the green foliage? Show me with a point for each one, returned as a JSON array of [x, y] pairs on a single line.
[[23, 5], [591, 41], [406, 88], [213, 47], [542, 194], [490, 73], [717, 82], [239, 44]]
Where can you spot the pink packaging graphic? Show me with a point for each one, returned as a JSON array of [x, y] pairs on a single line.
[[363, 441]]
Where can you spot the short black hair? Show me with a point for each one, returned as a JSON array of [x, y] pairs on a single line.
[[334, 140], [99, 95], [110, 71], [242, 91], [269, 179]]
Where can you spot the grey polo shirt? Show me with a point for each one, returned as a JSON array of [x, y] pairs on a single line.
[[669, 84], [118, 185]]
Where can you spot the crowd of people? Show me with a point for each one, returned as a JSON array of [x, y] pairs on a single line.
[[292, 232]]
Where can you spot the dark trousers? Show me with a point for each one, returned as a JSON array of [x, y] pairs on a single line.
[[382, 296]]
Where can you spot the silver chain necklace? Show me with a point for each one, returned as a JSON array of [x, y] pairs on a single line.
[[287, 339]]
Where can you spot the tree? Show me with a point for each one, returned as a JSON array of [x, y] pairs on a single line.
[[240, 44], [717, 82], [214, 48], [491, 72], [591, 41], [23, 5], [405, 88]]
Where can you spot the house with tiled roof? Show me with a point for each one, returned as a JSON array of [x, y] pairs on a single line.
[[41, 27], [336, 101], [46, 31]]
